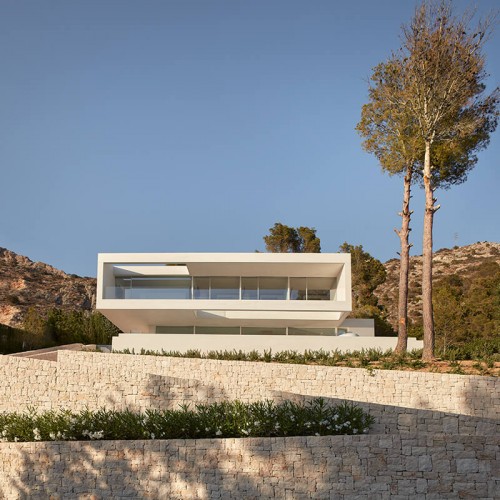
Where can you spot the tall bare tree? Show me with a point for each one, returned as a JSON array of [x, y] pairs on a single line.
[[389, 133]]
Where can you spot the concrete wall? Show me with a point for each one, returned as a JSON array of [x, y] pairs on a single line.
[[367, 467], [261, 343]]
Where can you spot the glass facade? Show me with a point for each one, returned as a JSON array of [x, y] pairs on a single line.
[[222, 288], [273, 288], [248, 330], [249, 288], [154, 288], [312, 331], [225, 288]]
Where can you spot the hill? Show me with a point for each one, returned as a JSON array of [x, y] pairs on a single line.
[[466, 262], [25, 284]]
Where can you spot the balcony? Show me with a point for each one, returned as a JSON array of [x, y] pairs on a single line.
[[222, 288]]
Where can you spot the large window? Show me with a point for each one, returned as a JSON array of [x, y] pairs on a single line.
[[201, 288], [262, 330], [155, 288], [174, 330], [248, 330], [222, 288], [319, 288], [225, 288], [312, 331], [273, 288], [249, 288], [298, 288], [312, 288], [217, 330]]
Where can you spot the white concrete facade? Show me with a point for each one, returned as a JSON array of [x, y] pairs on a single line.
[[210, 301]]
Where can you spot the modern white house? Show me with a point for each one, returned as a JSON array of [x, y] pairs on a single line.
[[219, 301]]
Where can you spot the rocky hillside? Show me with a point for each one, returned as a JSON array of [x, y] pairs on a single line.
[[25, 284], [462, 261]]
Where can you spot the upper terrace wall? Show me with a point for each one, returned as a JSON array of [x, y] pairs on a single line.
[[248, 381], [93, 380]]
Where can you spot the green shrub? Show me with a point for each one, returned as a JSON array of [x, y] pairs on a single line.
[[224, 420], [477, 349]]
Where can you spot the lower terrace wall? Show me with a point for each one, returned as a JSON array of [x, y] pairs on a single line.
[[362, 467], [122, 377], [401, 402]]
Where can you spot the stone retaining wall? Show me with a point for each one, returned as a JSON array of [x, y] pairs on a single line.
[[435, 436], [115, 380], [363, 467], [92, 380]]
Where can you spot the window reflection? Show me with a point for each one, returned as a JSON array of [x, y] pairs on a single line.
[[201, 288], [249, 288], [222, 288], [225, 288], [298, 288], [273, 288]]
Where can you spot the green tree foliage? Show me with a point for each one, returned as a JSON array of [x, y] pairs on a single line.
[[35, 334], [428, 107], [58, 327], [286, 239], [388, 133], [468, 309], [367, 273], [12, 339]]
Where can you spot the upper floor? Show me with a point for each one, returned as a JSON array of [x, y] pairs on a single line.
[[251, 279]]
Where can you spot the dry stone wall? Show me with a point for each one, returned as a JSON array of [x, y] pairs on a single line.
[[399, 401], [435, 436], [363, 467]]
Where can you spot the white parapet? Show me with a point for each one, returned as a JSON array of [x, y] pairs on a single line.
[[247, 343]]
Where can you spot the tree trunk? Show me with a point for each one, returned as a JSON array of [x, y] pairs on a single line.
[[404, 265], [427, 310]]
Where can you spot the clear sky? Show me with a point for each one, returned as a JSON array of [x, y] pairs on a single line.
[[171, 126]]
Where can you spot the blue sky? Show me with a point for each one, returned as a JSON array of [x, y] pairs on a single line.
[[168, 126]]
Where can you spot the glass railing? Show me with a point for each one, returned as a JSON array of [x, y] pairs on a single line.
[[221, 288], [117, 292]]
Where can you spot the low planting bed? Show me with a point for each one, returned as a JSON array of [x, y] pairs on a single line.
[[217, 420], [474, 358]]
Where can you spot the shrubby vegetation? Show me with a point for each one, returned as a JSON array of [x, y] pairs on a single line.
[[367, 274], [468, 309], [486, 352], [216, 420], [57, 327], [11, 339]]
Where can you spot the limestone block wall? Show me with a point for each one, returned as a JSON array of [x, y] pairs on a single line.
[[23, 380], [466, 395], [399, 401], [369, 466]]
